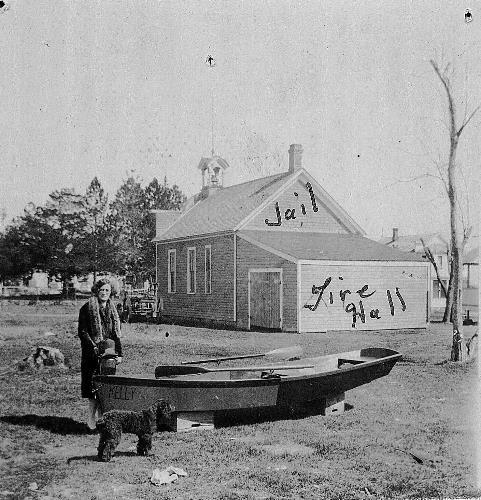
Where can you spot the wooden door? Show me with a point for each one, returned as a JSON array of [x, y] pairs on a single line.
[[265, 300]]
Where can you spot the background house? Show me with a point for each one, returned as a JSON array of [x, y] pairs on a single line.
[[471, 280], [279, 253], [439, 247]]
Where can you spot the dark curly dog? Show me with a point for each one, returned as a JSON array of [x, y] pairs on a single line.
[[144, 424]]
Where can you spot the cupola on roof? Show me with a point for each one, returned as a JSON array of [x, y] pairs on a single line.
[[212, 171]]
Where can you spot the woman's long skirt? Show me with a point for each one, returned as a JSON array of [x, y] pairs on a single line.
[[88, 368]]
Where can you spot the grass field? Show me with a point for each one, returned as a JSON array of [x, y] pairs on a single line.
[[426, 407]]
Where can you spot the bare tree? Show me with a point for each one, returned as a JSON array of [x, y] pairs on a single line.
[[458, 237], [446, 290]]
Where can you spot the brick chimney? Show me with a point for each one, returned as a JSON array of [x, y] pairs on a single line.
[[395, 233], [295, 157]]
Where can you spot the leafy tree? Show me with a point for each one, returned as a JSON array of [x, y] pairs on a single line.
[[63, 231], [157, 197], [126, 220], [14, 260], [48, 238], [161, 197], [134, 224], [74, 234], [99, 243]]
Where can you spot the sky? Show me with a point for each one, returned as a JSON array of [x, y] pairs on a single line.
[[110, 88]]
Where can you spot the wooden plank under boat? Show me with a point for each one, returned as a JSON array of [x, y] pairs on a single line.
[[193, 388]]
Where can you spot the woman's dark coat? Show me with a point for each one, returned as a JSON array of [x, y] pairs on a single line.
[[89, 363]]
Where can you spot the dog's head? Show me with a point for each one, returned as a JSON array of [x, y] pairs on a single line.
[[159, 415], [163, 413]]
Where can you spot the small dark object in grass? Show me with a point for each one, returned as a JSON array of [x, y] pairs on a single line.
[[417, 458]]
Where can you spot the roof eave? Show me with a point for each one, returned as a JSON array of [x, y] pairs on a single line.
[[193, 236], [288, 180], [338, 212], [268, 248], [381, 262]]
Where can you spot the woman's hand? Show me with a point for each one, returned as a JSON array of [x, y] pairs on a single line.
[[119, 360]]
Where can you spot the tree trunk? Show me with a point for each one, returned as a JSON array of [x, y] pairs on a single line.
[[449, 300], [458, 350]]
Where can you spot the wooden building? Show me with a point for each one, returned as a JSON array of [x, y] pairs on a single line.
[[279, 253], [471, 281], [439, 247]]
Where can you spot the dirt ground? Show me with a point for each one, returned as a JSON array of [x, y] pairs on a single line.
[[412, 434]]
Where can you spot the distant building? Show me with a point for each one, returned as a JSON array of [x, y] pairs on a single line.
[[471, 280], [439, 247], [39, 280], [279, 253]]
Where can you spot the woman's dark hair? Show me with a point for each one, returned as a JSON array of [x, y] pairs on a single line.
[[99, 284]]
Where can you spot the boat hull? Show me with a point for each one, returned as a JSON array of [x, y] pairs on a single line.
[[237, 389]]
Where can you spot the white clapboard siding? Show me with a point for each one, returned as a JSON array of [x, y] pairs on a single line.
[[410, 280], [323, 220]]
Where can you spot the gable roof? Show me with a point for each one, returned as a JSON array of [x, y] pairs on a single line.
[[412, 242], [326, 246], [223, 210], [322, 197], [232, 207]]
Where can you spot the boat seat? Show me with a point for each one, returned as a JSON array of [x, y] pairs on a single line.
[[272, 374], [353, 361]]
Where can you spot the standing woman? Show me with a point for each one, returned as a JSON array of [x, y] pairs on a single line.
[[98, 321]]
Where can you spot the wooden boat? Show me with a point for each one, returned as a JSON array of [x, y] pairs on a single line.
[[196, 389]]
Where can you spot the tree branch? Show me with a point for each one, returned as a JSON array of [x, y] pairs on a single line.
[[447, 86], [458, 133], [412, 179], [441, 176], [467, 233], [430, 256]]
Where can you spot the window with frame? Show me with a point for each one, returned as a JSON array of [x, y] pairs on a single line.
[[208, 269], [438, 292], [191, 270], [172, 272]]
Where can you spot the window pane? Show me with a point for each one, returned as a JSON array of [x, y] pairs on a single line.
[[438, 291], [207, 269], [191, 270], [172, 273]]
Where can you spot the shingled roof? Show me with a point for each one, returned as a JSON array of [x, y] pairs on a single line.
[[225, 209], [412, 242], [327, 246]]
